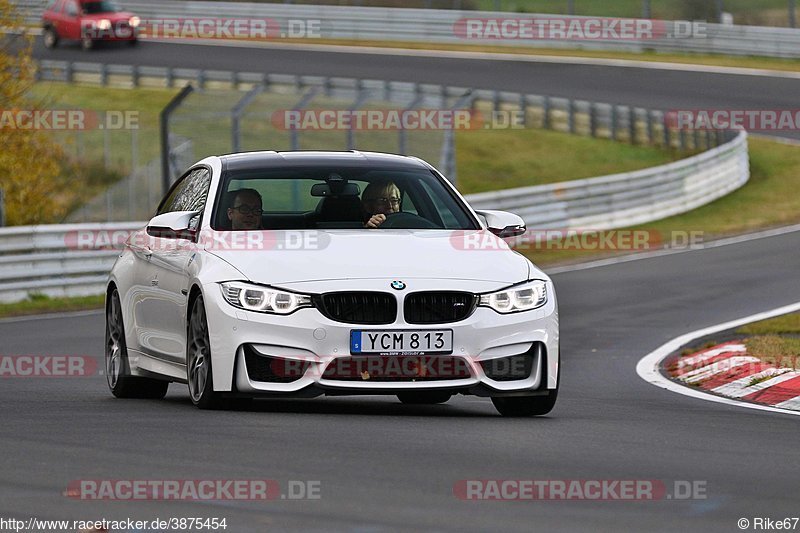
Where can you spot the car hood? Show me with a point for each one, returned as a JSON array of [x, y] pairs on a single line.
[[282, 257]]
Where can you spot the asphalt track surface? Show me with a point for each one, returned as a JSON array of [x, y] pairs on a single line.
[[385, 466], [650, 88]]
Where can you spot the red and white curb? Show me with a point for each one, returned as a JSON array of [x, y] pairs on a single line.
[[727, 370], [724, 373]]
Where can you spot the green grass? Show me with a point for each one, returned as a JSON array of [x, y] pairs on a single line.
[[769, 199], [89, 144], [39, 304], [752, 62], [774, 326], [492, 160], [782, 352]]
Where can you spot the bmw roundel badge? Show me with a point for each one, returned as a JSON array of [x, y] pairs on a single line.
[[398, 285]]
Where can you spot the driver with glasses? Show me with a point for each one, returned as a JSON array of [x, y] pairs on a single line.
[[379, 199], [245, 214]]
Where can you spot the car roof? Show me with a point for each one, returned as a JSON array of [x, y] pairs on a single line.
[[321, 159]]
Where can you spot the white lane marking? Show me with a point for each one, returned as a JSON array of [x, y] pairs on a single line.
[[775, 232], [794, 403], [490, 56], [726, 365], [50, 316], [741, 387], [648, 366], [710, 354]]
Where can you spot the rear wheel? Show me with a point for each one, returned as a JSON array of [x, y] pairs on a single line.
[[198, 360], [118, 371], [50, 38], [424, 397]]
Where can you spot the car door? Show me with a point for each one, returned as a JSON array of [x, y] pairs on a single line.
[[70, 20], [164, 276]]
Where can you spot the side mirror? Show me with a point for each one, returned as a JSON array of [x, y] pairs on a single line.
[[174, 225], [503, 224]]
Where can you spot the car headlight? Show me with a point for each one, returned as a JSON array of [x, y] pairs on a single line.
[[104, 24], [135, 21], [523, 297], [263, 299]]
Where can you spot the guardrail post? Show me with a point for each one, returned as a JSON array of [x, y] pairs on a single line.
[[106, 145], [645, 9], [69, 72], [103, 74], [166, 177], [571, 115], [135, 75], [236, 116], [650, 135], [523, 109], [402, 135], [632, 125], [2, 208], [665, 124], [792, 14], [546, 113], [593, 119], [302, 104], [614, 119], [170, 78], [682, 139]]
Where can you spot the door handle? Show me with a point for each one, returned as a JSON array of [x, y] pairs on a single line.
[[148, 253]]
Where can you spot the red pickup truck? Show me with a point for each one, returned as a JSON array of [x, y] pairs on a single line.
[[88, 21]]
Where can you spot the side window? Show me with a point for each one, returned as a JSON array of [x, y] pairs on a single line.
[[190, 194], [71, 8]]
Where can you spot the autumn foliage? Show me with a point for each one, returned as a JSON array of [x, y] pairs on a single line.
[[30, 160]]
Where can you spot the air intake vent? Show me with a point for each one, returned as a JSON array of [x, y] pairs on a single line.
[[438, 307], [358, 307]]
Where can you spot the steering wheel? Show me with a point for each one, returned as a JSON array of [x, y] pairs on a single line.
[[404, 220]]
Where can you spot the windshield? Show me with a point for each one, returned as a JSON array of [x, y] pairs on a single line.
[[103, 6], [338, 198]]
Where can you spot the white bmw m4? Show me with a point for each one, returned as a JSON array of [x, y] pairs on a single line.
[[298, 274]]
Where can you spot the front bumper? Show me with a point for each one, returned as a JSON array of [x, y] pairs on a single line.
[[305, 353]]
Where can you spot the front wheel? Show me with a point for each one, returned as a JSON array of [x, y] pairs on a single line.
[[526, 405], [198, 360], [50, 38]]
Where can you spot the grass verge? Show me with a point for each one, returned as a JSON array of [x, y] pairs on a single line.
[[750, 62], [40, 304], [769, 199]]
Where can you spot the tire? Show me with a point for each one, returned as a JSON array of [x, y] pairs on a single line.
[[120, 382], [133, 42], [424, 397], [526, 405], [199, 374], [50, 38], [87, 43], [530, 405]]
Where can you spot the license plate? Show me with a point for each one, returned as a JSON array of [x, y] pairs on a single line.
[[399, 342]]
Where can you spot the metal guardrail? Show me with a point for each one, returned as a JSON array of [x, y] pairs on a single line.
[[45, 259], [437, 26], [630, 198]]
